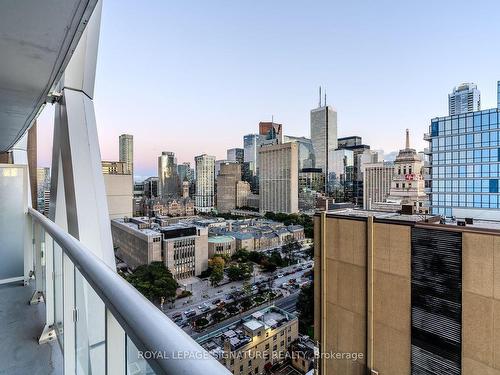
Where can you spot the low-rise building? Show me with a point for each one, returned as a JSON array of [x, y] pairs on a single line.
[[302, 354], [256, 343], [244, 240], [183, 247], [221, 245], [135, 242]]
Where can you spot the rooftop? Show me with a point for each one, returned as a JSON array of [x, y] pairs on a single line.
[[220, 239], [239, 334]]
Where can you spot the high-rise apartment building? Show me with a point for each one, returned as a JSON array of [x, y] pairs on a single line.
[[205, 182], [463, 99], [168, 179], [403, 294], [228, 177], [278, 178], [323, 135], [126, 151], [236, 154], [464, 168], [377, 179]]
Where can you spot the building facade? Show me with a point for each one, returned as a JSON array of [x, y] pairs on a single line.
[[323, 135], [205, 183], [228, 177], [236, 154], [406, 294], [182, 247], [126, 152], [168, 179], [256, 343], [185, 250], [341, 176], [242, 193], [464, 167], [377, 180], [278, 179], [119, 186], [408, 185], [464, 98], [221, 245]]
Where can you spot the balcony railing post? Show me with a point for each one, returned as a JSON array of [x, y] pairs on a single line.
[[48, 333], [28, 249], [38, 269]]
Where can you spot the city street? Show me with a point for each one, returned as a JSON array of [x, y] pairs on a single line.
[[205, 295]]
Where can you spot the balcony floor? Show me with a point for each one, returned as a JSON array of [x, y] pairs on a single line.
[[21, 323]]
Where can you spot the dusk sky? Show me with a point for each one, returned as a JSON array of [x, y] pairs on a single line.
[[193, 77]]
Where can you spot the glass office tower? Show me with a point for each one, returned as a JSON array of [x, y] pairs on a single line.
[[464, 156]]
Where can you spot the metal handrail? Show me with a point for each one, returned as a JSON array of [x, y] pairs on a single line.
[[171, 350]]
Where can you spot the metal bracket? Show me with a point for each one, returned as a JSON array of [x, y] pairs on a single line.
[[48, 334], [54, 97], [37, 297]]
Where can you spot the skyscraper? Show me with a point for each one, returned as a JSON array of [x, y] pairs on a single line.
[[126, 150], [278, 178], [205, 182], [168, 179], [229, 175], [464, 98], [323, 135], [185, 172], [464, 164], [236, 154]]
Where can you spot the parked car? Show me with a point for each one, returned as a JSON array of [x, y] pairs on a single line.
[[279, 275], [177, 315], [189, 313]]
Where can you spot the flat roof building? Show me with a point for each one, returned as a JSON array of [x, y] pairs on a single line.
[[407, 293]]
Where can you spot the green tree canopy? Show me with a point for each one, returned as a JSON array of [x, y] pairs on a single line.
[[305, 309], [154, 281]]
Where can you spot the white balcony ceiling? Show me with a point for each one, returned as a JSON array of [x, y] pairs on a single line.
[[37, 39]]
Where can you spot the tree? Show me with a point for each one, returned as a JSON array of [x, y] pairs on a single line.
[[289, 247], [217, 264], [241, 255], [154, 281], [305, 309], [242, 271]]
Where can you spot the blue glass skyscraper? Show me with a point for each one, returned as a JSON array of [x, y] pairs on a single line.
[[464, 155]]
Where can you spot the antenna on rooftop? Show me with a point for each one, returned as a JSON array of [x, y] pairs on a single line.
[[325, 97], [320, 96]]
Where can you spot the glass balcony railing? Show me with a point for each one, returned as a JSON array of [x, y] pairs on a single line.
[[102, 324]]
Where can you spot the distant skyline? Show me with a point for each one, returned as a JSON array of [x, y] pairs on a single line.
[[194, 77]]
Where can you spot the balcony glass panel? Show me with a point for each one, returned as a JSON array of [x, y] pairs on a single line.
[[90, 329]]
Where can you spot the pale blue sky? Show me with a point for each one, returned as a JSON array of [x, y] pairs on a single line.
[[195, 76]]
